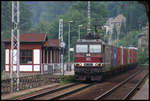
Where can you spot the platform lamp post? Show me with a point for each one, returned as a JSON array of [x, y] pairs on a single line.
[[69, 41], [79, 31]]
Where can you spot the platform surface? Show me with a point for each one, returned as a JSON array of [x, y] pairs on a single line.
[[143, 93]]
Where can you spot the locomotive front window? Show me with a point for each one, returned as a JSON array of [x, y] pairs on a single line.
[[95, 48], [81, 48]]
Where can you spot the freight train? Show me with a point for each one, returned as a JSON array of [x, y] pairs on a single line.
[[94, 58]]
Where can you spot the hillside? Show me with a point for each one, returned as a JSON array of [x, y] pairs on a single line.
[[43, 17]]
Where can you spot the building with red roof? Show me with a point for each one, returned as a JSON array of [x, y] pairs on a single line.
[[35, 50]]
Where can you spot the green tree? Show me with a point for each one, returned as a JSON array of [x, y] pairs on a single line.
[[142, 57], [6, 17]]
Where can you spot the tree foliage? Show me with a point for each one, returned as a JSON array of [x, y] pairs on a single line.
[[142, 57], [6, 18], [43, 17], [132, 10], [47, 10]]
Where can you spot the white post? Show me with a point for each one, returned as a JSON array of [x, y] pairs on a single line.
[[12, 46], [43, 55], [11, 68], [69, 42], [61, 43], [15, 41], [79, 31], [47, 56], [88, 28], [51, 56], [18, 45], [62, 64]]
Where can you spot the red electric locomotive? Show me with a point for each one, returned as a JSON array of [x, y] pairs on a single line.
[[89, 59], [93, 58]]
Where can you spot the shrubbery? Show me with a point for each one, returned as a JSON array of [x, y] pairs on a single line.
[[68, 79], [142, 57]]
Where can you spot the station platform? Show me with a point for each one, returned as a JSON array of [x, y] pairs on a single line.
[[143, 93]]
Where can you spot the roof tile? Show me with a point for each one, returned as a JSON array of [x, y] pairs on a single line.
[[31, 37]]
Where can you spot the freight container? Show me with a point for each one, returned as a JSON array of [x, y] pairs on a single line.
[[107, 57], [131, 56], [118, 57], [121, 55], [134, 56], [128, 56], [112, 56], [124, 56], [115, 57]]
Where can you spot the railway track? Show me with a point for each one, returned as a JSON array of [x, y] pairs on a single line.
[[125, 89], [56, 93], [98, 90], [44, 92], [109, 89]]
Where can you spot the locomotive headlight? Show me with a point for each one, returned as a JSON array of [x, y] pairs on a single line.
[[80, 64], [97, 64], [77, 64]]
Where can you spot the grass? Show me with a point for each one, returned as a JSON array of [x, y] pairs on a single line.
[[68, 79], [2, 75], [146, 64]]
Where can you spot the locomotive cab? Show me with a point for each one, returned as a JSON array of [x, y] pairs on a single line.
[[88, 54]]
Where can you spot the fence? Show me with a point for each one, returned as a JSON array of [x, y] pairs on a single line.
[[57, 68], [50, 73], [29, 82]]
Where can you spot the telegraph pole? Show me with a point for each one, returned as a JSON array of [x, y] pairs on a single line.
[[61, 43], [89, 19], [15, 41], [69, 41], [79, 31]]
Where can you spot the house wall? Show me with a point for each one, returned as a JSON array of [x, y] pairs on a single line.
[[35, 66]]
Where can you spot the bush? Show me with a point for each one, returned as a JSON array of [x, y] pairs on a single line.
[[142, 57], [68, 79]]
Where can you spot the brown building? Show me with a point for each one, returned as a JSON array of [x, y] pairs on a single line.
[[35, 50]]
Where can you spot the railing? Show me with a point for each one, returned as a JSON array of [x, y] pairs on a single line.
[[49, 73], [57, 68]]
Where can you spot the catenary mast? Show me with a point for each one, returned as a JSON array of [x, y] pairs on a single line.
[[15, 42]]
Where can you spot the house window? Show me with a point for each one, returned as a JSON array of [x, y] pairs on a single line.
[[25, 56]]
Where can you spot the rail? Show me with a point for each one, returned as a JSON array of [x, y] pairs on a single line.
[[117, 86], [44, 93], [135, 88], [75, 87]]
